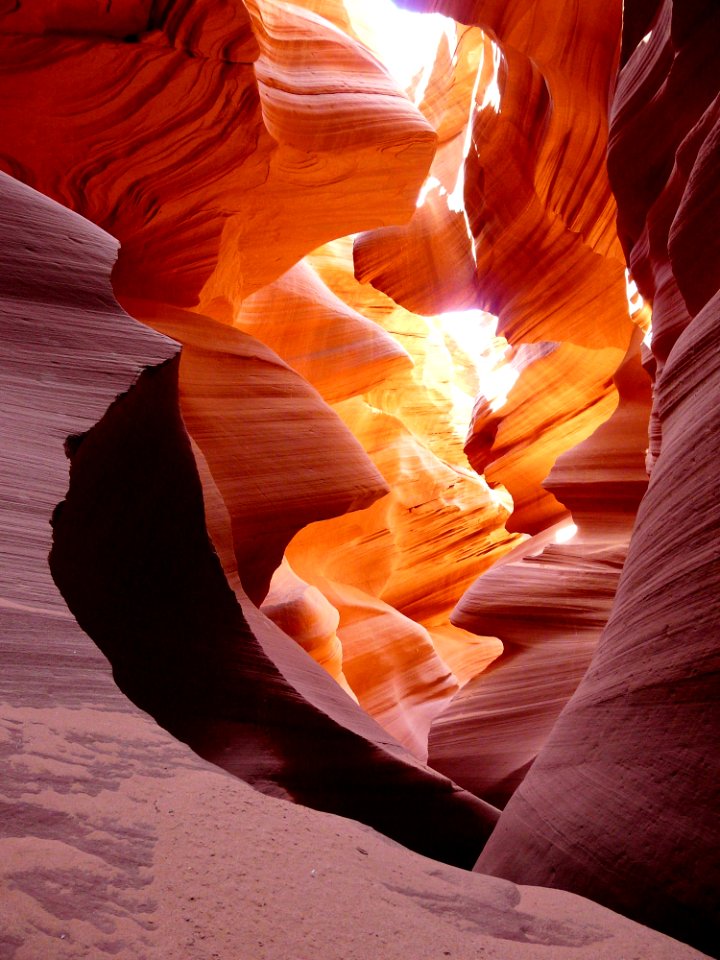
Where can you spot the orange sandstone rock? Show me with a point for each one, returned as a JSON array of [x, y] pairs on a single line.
[[112, 830], [132, 557], [393, 570], [200, 155], [562, 393], [306, 615], [333, 346], [527, 233]]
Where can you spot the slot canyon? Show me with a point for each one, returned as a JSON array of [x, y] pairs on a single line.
[[360, 583]]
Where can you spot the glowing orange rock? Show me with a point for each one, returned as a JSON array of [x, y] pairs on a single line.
[[536, 195], [333, 346], [263, 431], [562, 393], [306, 615], [393, 570], [603, 479], [526, 232], [199, 156], [391, 665], [415, 432], [429, 265], [350, 152]]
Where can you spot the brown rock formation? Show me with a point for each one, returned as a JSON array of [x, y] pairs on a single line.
[[622, 802]]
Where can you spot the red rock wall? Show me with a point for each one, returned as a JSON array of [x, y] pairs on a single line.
[[622, 803]]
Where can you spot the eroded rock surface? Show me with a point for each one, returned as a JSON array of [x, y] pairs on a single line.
[[132, 557], [324, 408], [548, 601], [621, 803]]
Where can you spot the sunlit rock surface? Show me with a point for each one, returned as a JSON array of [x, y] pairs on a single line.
[[262, 430], [132, 557], [562, 392], [532, 238], [621, 804], [213, 216], [333, 346], [306, 615], [548, 601], [226, 146]]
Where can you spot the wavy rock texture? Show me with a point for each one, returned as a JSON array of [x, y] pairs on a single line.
[[384, 560], [236, 127], [548, 602], [273, 475], [621, 803], [319, 409], [132, 557], [527, 232], [150, 592], [518, 445], [333, 346], [306, 615], [112, 830], [251, 140], [380, 569]]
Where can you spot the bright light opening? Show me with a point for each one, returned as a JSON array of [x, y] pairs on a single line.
[[456, 200], [432, 183], [491, 97], [646, 38], [565, 534], [492, 91], [406, 42], [634, 297], [474, 332]]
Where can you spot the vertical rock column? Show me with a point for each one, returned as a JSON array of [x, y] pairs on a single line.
[[622, 802]]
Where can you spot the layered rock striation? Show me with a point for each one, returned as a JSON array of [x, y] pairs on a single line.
[[548, 602], [132, 556], [287, 477], [621, 803], [113, 830]]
